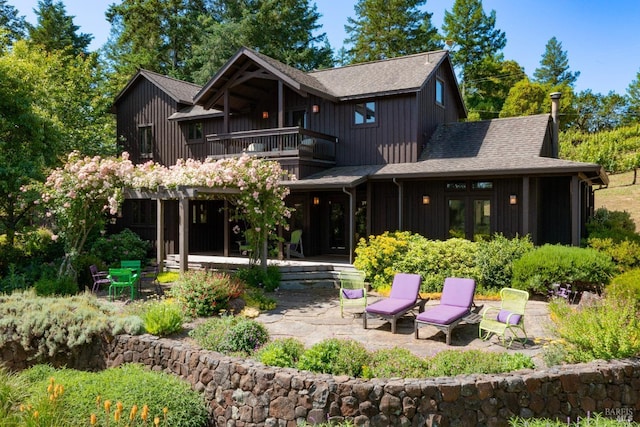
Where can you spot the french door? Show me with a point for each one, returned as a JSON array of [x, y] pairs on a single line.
[[469, 217]]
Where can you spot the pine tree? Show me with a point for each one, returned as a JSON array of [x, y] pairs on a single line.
[[55, 30], [554, 66], [633, 97], [15, 26], [157, 35], [390, 28], [286, 30], [472, 37]]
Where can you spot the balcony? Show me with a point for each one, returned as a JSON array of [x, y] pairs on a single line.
[[273, 143]]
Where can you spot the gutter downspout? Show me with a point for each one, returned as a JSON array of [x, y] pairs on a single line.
[[351, 223], [555, 107], [400, 199]]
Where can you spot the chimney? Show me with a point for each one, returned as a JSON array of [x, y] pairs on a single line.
[[555, 107]]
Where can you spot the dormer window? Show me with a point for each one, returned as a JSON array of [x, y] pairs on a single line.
[[365, 113], [439, 92]]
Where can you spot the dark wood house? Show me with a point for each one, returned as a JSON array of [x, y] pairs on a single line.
[[374, 147]]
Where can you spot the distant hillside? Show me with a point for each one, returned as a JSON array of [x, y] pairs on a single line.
[[620, 195]]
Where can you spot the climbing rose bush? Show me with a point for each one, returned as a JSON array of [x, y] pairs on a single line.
[[79, 194]]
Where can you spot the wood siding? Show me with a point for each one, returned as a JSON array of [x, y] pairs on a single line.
[[145, 104]]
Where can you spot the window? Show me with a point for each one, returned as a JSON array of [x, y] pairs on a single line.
[[365, 113], [145, 141], [439, 92], [195, 130]]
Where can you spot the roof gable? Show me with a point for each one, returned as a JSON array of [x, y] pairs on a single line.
[[179, 90]]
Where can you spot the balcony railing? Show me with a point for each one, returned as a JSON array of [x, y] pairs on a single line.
[[279, 142]]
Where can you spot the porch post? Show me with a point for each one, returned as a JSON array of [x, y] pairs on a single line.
[[225, 251], [352, 221], [575, 211], [160, 234], [525, 205], [400, 202], [227, 110], [280, 104], [183, 208]]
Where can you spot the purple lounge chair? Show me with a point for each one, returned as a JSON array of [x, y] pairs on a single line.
[[403, 298], [455, 305]]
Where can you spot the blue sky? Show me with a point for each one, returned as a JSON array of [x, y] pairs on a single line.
[[601, 38]]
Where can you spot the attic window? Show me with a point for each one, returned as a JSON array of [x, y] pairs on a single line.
[[439, 92], [365, 113], [145, 141]]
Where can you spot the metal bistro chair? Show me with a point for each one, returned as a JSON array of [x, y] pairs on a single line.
[[121, 278], [509, 317], [149, 276], [99, 278], [353, 292]]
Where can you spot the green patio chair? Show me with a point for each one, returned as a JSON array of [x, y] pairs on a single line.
[[353, 292], [121, 278], [136, 267], [508, 319]]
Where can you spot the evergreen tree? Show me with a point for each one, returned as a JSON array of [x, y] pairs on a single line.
[[14, 26], [554, 66], [157, 35], [472, 37], [390, 28], [286, 30], [56, 31], [633, 98]]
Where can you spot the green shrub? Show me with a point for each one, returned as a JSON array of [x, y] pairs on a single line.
[[435, 260], [230, 334], [256, 277], [56, 286], [283, 352], [583, 268], [626, 285], [53, 326], [335, 356], [132, 325], [121, 246], [162, 317], [377, 256], [395, 362], [456, 362], [495, 258], [49, 326], [81, 265], [625, 253], [615, 225], [381, 257], [607, 329], [244, 336], [204, 293], [255, 297], [128, 384]]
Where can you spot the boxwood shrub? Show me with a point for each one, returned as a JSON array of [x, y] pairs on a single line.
[[582, 268]]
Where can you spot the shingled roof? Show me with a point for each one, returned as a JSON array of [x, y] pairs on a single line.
[[509, 137], [395, 75], [498, 147]]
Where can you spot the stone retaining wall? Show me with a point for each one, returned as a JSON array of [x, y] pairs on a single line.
[[244, 393]]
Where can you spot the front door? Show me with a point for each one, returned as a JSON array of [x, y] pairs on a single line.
[[338, 224]]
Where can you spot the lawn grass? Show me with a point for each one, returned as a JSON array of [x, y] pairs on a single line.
[[620, 195]]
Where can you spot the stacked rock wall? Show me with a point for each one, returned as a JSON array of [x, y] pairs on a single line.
[[246, 393]]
